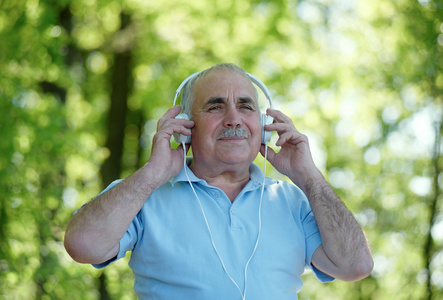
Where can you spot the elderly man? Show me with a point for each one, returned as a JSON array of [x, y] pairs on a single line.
[[215, 227]]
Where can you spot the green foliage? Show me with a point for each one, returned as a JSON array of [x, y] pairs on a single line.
[[362, 79]]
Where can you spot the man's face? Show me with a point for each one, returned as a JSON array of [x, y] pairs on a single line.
[[225, 99]]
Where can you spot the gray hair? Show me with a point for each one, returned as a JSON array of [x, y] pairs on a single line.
[[188, 96]]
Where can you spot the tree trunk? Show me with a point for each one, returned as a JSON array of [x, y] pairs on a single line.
[[429, 243], [120, 90]]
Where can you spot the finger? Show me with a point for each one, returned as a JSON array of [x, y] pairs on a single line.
[[270, 155], [278, 116], [280, 127], [175, 126], [172, 125], [181, 126], [170, 114], [180, 147], [163, 135], [291, 137]]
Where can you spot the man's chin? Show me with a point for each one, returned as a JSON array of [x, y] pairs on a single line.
[[239, 157]]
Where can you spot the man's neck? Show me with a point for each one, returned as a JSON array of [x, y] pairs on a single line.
[[231, 180]]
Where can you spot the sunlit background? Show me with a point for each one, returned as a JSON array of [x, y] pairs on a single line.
[[83, 83]]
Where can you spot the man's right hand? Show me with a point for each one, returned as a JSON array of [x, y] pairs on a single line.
[[166, 160]]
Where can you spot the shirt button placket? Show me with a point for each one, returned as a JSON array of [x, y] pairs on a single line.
[[233, 218]]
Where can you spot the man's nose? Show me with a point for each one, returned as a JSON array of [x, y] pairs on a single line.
[[232, 117]]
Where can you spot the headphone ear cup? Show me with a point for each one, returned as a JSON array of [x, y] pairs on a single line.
[[265, 135], [180, 138]]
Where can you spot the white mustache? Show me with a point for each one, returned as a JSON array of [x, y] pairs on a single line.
[[233, 132]]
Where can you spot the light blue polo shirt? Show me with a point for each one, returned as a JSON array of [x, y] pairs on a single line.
[[173, 258]]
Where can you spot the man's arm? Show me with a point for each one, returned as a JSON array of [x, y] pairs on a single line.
[[94, 233], [344, 253]]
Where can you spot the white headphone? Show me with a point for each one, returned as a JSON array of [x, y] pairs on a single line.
[[264, 119]]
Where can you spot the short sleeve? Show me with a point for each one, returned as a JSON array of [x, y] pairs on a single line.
[[127, 242], [129, 239]]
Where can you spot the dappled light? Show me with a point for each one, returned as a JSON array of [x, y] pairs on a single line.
[[83, 83]]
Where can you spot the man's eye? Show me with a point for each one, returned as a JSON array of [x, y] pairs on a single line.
[[214, 107], [246, 107]]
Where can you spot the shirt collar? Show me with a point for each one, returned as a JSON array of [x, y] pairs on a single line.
[[255, 172], [181, 176]]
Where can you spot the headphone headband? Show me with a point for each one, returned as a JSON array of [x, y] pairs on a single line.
[[254, 79]]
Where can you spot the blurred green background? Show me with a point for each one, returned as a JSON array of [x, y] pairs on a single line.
[[83, 83]]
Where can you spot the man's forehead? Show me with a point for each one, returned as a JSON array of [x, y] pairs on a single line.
[[222, 80]]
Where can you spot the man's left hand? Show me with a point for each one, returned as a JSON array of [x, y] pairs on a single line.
[[294, 158]]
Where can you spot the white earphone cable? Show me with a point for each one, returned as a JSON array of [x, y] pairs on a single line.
[[259, 219]]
